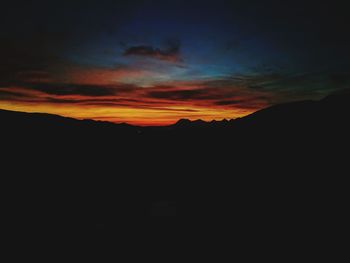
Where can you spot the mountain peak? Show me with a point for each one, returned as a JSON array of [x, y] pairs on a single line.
[[199, 121], [190, 123], [183, 122]]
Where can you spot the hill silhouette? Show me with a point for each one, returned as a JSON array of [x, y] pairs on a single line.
[[332, 106], [285, 162]]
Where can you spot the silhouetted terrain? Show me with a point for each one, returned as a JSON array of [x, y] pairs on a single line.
[[286, 164]]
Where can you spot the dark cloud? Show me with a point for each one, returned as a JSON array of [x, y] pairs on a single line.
[[278, 87], [256, 87], [36, 35], [62, 101], [72, 89], [29, 57], [244, 91], [228, 102], [110, 102], [223, 97], [59, 89], [12, 95], [238, 91], [57, 93], [178, 94], [170, 53], [340, 80]]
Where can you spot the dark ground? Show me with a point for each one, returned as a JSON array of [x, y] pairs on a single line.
[[282, 170]]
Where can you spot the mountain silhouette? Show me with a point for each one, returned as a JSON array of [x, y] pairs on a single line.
[[331, 107], [286, 164]]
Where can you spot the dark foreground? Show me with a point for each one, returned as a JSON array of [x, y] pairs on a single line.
[[281, 169]]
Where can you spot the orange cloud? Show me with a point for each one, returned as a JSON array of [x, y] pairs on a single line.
[[156, 105]]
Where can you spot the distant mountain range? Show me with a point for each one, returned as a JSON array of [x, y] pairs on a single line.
[[331, 107]]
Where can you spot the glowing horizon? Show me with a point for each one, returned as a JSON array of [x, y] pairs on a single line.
[[153, 64], [146, 120]]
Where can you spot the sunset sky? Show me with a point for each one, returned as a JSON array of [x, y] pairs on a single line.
[[154, 62]]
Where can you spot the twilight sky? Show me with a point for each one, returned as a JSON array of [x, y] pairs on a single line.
[[154, 62]]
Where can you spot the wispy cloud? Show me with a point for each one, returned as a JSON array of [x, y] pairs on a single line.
[[170, 53], [219, 98]]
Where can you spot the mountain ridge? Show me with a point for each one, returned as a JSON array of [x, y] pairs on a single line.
[[338, 101]]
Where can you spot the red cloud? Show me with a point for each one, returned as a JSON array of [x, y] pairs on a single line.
[[161, 105]]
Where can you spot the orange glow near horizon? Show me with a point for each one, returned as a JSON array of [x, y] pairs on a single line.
[[134, 116], [131, 96]]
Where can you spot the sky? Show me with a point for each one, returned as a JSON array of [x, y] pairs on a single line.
[[154, 62]]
